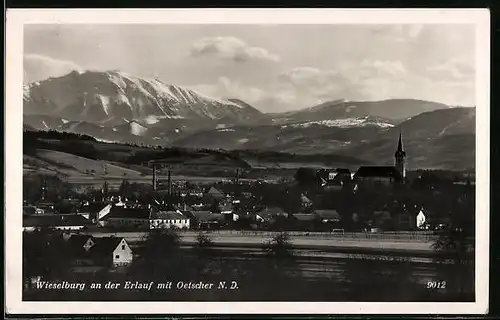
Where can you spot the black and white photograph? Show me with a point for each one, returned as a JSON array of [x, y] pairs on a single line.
[[295, 158]]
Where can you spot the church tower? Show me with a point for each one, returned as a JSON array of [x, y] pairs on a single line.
[[400, 158]]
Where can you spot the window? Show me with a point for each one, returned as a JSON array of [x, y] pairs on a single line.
[[123, 247], [117, 256]]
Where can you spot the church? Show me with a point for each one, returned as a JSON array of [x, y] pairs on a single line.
[[385, 174]]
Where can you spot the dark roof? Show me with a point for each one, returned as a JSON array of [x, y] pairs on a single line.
[[377, 171], [206, 216], [77, 241], [226, 206], [93, 207], [215, 192], [168, 215], [270, 212], [104, 246], [133, 213], [55, 220], [28, 210], [304, 216], [327, 214], [343, 171]]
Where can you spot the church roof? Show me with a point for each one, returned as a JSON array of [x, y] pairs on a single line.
[[377, 171]]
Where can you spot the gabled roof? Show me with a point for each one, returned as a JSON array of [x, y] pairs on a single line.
[[168, 215], [304, 198], [343, 171], [213, 191], [55, 220], [377, 171], [104, 246], [327, 214], [131, 213], [270, 212], [93, 207], [207, 216], [304, 216], [77, 241]]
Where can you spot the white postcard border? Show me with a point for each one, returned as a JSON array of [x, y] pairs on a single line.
[[13, 152]]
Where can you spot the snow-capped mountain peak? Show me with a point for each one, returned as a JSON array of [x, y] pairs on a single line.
[[100, 96]]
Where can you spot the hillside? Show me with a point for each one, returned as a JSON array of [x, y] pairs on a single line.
[[425, 135], [82, 156], [388, 110], [109, 97]]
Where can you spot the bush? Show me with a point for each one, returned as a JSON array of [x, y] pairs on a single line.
[[203, 240], [279, 246]]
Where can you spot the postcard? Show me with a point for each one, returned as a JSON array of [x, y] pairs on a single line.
[[256, 161]]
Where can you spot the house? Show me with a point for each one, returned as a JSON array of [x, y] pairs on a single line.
[[379, 175], [269, 213], [95, 211], [126, 217], [205, 219], [226, 207], [215, 193], [80, 243], [66, 222], [405, 220], [168, 219], [111, 251], [381, 220], [29, 210], [420, 219], [327, 216], [305, 221], [305, 201], [333, 178]]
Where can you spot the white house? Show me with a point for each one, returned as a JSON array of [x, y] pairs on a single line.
[[111, 251], [66, 222], [420, 219], [169, 219]]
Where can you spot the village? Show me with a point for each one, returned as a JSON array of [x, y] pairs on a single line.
[[377, 202]]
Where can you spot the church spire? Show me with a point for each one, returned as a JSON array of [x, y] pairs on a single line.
[[400, 143], [399, 157]]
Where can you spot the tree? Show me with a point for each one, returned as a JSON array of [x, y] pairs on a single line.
[[203, 240], [306, 177], [125, 189], [279, 246]]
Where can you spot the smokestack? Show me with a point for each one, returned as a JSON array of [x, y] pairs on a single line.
[[169, 183], [154, 176]]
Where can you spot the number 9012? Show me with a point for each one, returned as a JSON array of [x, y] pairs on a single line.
[[436, 284]]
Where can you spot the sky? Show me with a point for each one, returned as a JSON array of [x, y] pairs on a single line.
[[275, 68]]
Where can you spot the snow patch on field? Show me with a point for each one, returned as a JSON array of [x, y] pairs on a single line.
[[136, 129], [339, 123]]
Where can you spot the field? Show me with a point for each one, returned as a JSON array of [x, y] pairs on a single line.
[[355, 242]]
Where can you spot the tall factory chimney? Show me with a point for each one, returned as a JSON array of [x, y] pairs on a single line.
[[154, 176], [169, 183]]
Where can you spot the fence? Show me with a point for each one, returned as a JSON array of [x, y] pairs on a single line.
[[337, 233]]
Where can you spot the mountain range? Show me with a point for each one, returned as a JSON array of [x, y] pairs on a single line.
[[114, 106]]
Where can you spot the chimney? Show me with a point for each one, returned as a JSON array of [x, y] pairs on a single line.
[[154, 176], [169, 183]]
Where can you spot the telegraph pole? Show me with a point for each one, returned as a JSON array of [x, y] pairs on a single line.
[[154, 176]]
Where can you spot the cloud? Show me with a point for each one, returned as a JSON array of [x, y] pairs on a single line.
[[231, 48], [452, 69], [226, 88], [365, 80], [39, 67]]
